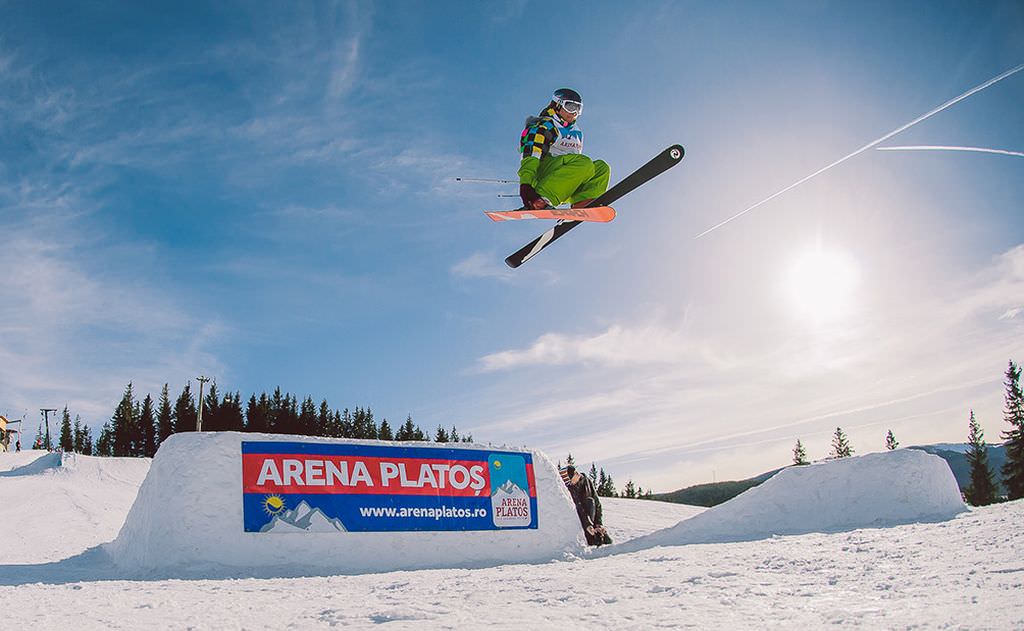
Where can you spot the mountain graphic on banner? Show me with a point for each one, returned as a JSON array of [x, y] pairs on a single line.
[[511, 488], [303, 518]]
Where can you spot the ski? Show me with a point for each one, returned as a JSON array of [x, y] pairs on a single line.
[[599, 214], [655, 167]]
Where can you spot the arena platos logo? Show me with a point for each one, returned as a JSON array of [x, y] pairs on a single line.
[[338, 487]]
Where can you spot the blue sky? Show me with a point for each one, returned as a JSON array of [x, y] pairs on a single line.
[[263, 193]]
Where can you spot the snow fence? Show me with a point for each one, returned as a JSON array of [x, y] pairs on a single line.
[[875, 490], [229, 503]]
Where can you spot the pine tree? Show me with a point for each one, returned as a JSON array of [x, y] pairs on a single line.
[[231, 417], [441, 435], [1013, 468], [324, 420], [841, 445], [385, 431], [185, 411], [418, 434], [147, 425], [86, 441], [370, 425], [275, 413], [982, 489], [800, 454], [453, 435], [257, 414], [78, 436], [105, 443], [212, 421], [593, 473], [606, 486], [630, 490], [407, 431], [122, 425], [164, 417], [890, 441], [67, 444], [307, 417]]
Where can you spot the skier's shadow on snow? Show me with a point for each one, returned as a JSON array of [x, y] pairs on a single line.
[[91, 565], [95, 565]]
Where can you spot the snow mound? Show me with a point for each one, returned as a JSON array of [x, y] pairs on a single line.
[[188, 520], [28, 463], [50, 513], [875, 490]]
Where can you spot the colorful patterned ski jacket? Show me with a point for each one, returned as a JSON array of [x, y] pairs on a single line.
[[546, 135]]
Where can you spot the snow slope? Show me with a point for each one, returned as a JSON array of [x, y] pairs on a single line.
[[50, 512], [964, 572]]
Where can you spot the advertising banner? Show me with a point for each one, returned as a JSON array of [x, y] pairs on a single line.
[[348, 487]]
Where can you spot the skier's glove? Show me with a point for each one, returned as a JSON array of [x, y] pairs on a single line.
[[530, 197]]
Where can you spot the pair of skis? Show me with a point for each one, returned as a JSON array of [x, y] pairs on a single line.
[[655, 167]]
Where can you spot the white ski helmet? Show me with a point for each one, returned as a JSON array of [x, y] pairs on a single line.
[[569, 100]]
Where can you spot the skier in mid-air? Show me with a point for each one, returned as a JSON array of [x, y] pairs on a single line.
[[553, 169]]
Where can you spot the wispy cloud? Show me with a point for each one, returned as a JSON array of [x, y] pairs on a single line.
[[1004, 152], [871, 144], [75, 331], [482, 265], [491, 265], [618, 345]]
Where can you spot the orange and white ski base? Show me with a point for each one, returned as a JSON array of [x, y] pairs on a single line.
[[602, 214]]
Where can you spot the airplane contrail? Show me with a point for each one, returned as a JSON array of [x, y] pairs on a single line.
[[1003, 152], [871, 144]]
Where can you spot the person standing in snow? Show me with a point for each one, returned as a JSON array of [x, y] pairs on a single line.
[[588, 506], [554, 170]]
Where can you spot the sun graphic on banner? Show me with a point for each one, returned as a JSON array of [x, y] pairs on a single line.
[[273, 504], [497, 464]]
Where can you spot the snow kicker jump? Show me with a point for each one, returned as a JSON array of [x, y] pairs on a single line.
[[259, 504], [870, 491]]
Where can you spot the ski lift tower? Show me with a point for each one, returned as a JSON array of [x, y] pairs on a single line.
[[46, 416]]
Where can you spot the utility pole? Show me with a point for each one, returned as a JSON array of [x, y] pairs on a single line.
[[199, 419], [46, 417]]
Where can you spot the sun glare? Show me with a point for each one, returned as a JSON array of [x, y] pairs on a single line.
[[821, 284]]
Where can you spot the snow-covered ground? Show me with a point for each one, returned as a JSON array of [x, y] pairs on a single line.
[[964, 572]]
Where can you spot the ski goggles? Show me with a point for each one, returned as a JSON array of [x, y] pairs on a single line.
[[573, 107]]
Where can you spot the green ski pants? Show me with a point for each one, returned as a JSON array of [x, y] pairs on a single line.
[[571, 178]]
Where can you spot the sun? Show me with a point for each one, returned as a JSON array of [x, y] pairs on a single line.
[[273, 504], [821, 283]]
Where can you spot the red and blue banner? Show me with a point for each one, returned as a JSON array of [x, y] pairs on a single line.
[[339, 487]]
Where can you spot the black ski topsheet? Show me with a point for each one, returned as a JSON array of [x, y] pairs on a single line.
[[656, 166]]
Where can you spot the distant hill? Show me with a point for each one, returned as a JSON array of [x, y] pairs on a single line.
[[953, 453], [714, 493]]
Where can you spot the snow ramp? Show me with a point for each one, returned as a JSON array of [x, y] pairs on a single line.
[[234, 504], [875, 490], [24, 463]]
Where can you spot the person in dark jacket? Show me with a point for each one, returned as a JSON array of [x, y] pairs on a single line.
[[588, 506]]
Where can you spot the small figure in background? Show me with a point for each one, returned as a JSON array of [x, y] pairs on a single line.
[[588, 506]]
